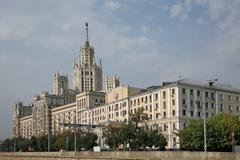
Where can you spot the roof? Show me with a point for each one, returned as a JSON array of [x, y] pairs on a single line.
[[224, 87]]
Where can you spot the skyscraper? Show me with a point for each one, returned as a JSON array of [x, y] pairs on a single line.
[[87, 75]]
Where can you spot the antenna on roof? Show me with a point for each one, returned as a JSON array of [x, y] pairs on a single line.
[[179, 77]]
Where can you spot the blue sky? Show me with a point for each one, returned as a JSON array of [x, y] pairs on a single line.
[[145, 42]]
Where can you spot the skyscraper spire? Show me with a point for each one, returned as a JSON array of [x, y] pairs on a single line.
[[87, 40]]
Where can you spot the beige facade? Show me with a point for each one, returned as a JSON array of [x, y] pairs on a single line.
[[111, 83], [87, 75], [60, 84], [168, 106], [26, 127], [63, 114]]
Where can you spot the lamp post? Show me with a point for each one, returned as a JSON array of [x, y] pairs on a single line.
[[210, 82], [14, 144], [75, 134], [48, 130]]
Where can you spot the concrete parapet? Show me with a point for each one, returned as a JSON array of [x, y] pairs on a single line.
[[150, 155]]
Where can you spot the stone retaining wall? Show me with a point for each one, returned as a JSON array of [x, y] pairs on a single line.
[[151, 155]]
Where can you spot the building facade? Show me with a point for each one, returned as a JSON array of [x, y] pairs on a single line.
[[169, 106], [87, 75], [111, 83]]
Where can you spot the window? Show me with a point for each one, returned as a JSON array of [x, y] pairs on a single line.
[[237, 108], [198, 93], [212, 95], [156, 115], [191, 113], [183, 91], [191, 102], [237, 98], [183, 101], [191, 92], [229, 97], [165, 127], [221, 97], [164, 115], [199, 114], [146, 99], [173, 113], [184, 112], [173, 91], [173, 102], [164, 104], [174, 126], [212, 105], [230, 108], [206, 94], [156, 96], [156, 106], [164, 94], [221, 107], [206, 114], [206, 105]]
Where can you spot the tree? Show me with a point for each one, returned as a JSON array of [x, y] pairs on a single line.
[[136, 133], [111, 135], [7, 145], [220, 130], [191, 137], [23, 144], [156, 139], [89, 140]]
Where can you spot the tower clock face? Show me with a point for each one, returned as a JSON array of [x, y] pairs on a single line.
[[116, 96]]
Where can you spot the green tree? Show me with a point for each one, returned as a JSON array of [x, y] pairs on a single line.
[[156, 139], [7, 145], [111, 135], [219, 133], [135, 133], [220, 130], [23, 144], [191, 137], [89, 140]]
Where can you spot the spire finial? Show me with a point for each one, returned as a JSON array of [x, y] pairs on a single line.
[[87, 40]]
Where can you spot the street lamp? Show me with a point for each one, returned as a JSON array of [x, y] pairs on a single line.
[[210, 82], [75, 134], [14, 144]]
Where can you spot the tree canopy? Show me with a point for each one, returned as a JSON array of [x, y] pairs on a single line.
[[60, 141], [136, 134], [223, 131]]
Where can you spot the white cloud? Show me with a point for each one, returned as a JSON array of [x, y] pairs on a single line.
[[160, 29], [163, 7], [3, 58], [184, 17], [200, 20], [112, 5], [144, 28], [176, 10]]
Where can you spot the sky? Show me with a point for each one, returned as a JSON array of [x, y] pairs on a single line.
[[145, 42]]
